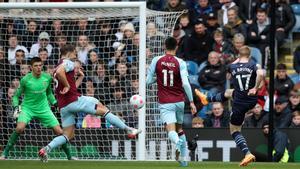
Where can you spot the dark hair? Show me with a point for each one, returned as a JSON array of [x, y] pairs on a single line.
[[261, 10], [66, 49], [281, 66], [42, 50], [20, 50], [35, 59], [170, 43]]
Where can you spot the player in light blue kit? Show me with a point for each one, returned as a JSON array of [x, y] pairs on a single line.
[[172, 81]]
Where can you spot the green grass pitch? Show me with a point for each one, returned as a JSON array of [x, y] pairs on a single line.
[[28, 164]]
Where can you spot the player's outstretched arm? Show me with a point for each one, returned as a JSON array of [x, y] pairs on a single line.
[[50, 95], [151, 72]]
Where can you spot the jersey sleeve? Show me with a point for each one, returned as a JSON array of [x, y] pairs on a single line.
[[50, 95], [68, 65], [185, 81], [151, 72], [18, 93]]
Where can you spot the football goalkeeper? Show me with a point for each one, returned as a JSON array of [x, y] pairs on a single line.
[[37, 90]]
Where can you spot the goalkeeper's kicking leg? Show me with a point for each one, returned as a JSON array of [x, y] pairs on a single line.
[[88, 105]]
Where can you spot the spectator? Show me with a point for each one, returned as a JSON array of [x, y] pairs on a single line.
[[56, 29], [134, 86], [105, 40], [296, 60], [120, 33], [15, 69], [222, 46], [122, 72], [154, 37], [24, 68], [198, 45], [218, 118], [119, 101], [282, 114], [83, 47], [212, 23], [43, 55], [13, 47], [185, 23], [30, 35], [280, 144], [222, 13], [197, 122], [43, 42], [60, 41], [294, 100], [201, 10], [174, 5], [282, 83], [179, 35], [93, 58], [133, 55], [284, 20], [257, 118], [259, 32], [213, 76], [4, 67], [295, 119], [247, 10], [235, 25], [80, 27]]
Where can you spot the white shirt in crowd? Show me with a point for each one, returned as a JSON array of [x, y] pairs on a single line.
[[12, 53], [34, 51]]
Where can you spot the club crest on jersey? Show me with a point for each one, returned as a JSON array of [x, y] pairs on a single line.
[[44, 83]]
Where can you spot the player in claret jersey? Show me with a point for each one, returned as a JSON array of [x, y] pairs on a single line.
[[37, 89], [172, 81], [70, 102]]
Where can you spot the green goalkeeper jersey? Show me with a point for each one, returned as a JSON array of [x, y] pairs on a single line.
[[37, 92]]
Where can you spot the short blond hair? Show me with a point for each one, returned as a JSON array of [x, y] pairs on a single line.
[[197, 120], [244, 51]]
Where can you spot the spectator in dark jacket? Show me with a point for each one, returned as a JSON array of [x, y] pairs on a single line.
[[174, 5], [235, 25], [284, 20], [222, 46], [199, 44], [201, 10], [218, 118], [213, 76], [282, 83], [280, 143], [282, 114], [256, 120], [296, 63], [259, 31], [247, 10]]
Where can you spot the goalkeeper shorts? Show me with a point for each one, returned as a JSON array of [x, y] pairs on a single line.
[[47, 118]]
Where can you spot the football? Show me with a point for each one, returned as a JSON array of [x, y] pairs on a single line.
[[137, 101]]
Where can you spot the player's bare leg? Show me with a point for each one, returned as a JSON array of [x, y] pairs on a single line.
[[235, 132], [116, 121]]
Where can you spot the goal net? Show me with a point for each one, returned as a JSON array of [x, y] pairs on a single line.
[[107, 40]]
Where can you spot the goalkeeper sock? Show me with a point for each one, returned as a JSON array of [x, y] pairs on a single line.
[[183, 149], [56, 142], [67, 151], [115, 120], [173, 136], [11, 142]]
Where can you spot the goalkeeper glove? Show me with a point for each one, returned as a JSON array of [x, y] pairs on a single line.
[[17, 111]]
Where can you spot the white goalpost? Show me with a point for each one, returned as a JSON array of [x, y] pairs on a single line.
[[115, 42]]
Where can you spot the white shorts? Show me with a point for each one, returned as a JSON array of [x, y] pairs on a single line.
[[172, 112]]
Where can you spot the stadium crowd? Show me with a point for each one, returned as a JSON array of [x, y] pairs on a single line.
[[208, 37]]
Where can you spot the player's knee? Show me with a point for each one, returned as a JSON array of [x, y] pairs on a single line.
[[101, 109], [235, 128]]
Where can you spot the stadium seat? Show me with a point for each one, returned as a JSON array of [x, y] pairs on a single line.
[[296, 9], [194, 80], [192, 67]]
